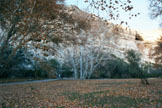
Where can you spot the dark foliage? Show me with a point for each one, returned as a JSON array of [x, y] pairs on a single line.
[[138, 37], [115, 68], [15, 66]]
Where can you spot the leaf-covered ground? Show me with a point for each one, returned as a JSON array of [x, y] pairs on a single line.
[[125, 93]]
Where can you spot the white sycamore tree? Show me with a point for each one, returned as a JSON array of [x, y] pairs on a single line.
[[85, 56]]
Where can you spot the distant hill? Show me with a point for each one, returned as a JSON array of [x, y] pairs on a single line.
[[116, 39]]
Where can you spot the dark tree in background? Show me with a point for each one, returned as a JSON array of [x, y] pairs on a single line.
[[17, 67]]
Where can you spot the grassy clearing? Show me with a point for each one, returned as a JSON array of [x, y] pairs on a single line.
[[124, 93]]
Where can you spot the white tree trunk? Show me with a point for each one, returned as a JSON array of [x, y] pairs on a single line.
[[81, 62]]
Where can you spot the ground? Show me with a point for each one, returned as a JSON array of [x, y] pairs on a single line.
[[112, 93]]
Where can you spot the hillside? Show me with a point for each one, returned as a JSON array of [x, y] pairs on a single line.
[[115, 38], [79, 45]]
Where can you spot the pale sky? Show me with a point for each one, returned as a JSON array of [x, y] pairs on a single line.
[[142, 22]]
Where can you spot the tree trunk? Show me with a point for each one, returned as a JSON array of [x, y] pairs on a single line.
[[144, 80], [81, 63]]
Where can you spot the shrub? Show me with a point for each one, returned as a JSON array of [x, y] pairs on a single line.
[[46, 68], [155, 73], [66, 71], [138, 37], [115, 68], [13, 66]]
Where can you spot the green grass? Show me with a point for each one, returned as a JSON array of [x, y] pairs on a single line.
[[100, 99], [74, 95]]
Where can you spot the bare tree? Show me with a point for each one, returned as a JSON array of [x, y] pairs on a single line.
[[86, 55], [83, 60]]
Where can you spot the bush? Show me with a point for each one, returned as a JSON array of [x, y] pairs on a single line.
[[115, 68], [52, 69], [155, 73], [13, 66], [46, 68], [118, 68], [67, 71], [138, 37]]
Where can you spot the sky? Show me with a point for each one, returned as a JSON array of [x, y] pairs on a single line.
[[141, 22]]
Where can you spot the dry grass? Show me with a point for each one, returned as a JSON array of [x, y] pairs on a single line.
[[125, 93]]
